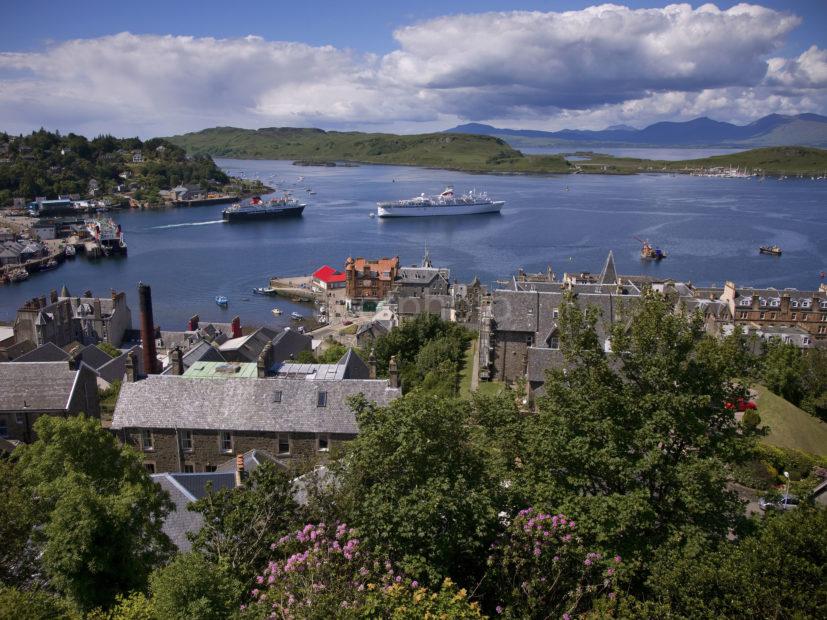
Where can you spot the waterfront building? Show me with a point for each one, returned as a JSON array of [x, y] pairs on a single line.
[[64, 319], [369, 281], [33, 389], [772, 309], [326, 278]]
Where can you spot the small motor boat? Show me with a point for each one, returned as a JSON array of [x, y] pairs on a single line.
[[276, 312], [70, 251], [773, 250], [221, 300], [296, 316]]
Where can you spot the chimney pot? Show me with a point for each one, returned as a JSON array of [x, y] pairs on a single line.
[[236, 327]]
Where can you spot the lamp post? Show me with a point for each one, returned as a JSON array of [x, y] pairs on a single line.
[[787, 490]]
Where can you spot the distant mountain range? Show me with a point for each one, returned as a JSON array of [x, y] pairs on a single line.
[[772, 130]]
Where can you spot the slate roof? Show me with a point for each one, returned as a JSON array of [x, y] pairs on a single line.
[[93, 356], [180, 520], [38, 386], [221, 370], [202, 352], [514, 311], [289, 343], [350, 366], [168, 401], [48, 352]]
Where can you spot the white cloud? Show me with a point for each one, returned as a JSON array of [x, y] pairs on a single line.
[[589, 68]]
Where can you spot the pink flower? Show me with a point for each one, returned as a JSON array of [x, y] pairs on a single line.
[[414, 584], [617, 559], [587, 562], [499, 609]]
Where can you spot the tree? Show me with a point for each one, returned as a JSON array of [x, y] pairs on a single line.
[[18, 554], [191, 587], [18, 604], [99, 513], [777, 573], [782, 370], [415, 486], [636, 444], [240, 524]]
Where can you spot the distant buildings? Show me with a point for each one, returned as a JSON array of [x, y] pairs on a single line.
[[369, 281], [64, 319], [326, 278], [32, 389]]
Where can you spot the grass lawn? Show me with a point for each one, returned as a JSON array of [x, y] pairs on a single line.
[[790, 427], [486, 388]]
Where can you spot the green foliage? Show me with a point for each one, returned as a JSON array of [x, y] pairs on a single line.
[[18, 556], [814, 382], [751, 419], [99, 514], [777, 573], [332, 354], [18, 604], [48, 164], [306, 357], [241, 523], [192, 587], [429, 353], [110, 350], [416, 487], [136, 606], [636, 444], [782, 370]]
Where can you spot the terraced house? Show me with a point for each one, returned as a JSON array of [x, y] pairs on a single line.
[[184, 424]]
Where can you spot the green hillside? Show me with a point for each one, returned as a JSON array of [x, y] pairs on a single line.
[[790, 427], [437, 150], [777, 160]]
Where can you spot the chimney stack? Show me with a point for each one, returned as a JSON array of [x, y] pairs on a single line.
[[264, 360], [42, 301], [53, 296], [240, 474], [147, 329], [236, 327], [393, 373], [96, 307], [131, 366], [193, 324], [177, 361], [372, 364]]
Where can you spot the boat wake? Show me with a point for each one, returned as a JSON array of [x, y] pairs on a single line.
[[187, 224]]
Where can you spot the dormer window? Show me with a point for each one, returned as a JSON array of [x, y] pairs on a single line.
[[762, 301], [805, 303], [794, 303], [774, 303], [823, 304], [745, 302], [321, 400]]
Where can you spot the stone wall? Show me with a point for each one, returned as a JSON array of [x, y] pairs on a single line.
[[510, 355], [206, 451]]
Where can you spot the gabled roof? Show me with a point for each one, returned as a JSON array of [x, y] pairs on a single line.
[[202, 352], [36, 386], [48, 352], [609, 273], [258, 405], [329, 275]]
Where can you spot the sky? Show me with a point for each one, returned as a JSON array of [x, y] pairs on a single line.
[[162, 68]]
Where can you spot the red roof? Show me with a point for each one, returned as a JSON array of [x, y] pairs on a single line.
[[329, 275]]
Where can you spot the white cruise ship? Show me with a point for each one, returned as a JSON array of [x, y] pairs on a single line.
[[445, 203]]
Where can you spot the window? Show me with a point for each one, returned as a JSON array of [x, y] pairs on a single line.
[[210, 468], [4, 427], [19, 418], [322, 399], [775, 302], [554, 342], [824, 318], [794, 303], [762, 315], [189, 468], [555, 313], [147, 443], [806, 342], [186, 441], [823, 304], [284, 444], [323, 443], [772, 315], [805, 303], [742, 315], [822, 330], [150, 467], [794, 316], [225, 441], [277, 396]]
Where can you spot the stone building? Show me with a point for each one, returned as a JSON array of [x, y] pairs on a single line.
[[64, 319], [32, 389], [519, 332], [773, 309], [369, 281], [185, 425]]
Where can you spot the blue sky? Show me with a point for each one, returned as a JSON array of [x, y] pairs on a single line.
[[402, 66]]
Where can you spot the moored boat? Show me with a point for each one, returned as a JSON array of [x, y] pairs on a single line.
[[221, 300], [49, 265], [18, 275], [257, 209], [70, 251], [651, 252], [773, 250], [446, 203], [265, 290], [296, 316]]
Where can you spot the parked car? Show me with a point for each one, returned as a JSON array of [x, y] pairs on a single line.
[[741, 405], [347, 322], [785, 502]]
